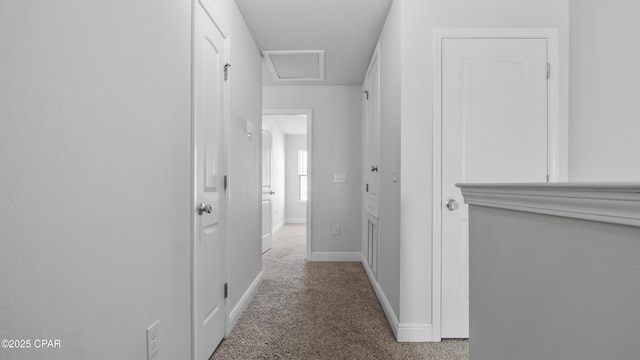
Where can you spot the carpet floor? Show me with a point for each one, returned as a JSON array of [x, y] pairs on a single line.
[[319, 310]]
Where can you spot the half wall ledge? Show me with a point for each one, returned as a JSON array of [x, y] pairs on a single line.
[[610, 202]]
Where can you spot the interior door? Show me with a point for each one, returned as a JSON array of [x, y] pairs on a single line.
[[373, 135], [494, 129], [209, 209], [267, 191]]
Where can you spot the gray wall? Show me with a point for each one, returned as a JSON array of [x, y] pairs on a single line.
[[95, 139], [604, 91], [336, 149], [547, 287]]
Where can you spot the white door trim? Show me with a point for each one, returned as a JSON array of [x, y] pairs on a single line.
[[557, 143], [309, 114]]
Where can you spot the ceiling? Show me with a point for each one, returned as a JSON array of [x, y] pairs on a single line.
[[347, 31], [290, 124]]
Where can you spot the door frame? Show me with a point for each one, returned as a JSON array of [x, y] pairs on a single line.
[[309, 114], [225, 138], [557, 133]]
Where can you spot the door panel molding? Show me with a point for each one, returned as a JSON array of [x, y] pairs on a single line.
[[208, 169], [557, 137]]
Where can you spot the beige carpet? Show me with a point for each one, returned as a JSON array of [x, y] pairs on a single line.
[[313, 310]]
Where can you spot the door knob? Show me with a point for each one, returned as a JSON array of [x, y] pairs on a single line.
[[374, 168], [202, 208], [451, 204], [272, 192]]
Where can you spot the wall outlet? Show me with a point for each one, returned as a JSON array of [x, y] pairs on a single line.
[[336, 229], [152, 340]]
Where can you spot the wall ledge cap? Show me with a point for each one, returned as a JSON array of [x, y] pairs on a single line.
[[611, 202]]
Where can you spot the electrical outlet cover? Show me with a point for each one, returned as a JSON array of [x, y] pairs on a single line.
[[152, 339]]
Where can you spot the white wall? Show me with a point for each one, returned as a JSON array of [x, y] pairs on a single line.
[[278, 168], [245, 224], [295, 210], [390, 116], [408, 103], [419, 18], [336, 149], [95, 136], [604, 91]]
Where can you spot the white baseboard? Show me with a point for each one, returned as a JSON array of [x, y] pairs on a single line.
[[402, 332], [388, 310], [244, 301], [296, 221], [414, 333], [336, 256]]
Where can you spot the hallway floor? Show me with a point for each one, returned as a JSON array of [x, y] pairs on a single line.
[[319, 310]]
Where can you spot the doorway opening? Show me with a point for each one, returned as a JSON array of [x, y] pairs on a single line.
[[286, 172]]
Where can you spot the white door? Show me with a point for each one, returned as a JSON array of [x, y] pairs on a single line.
[[494, 129], [267, 191], [209, 194], [372, 99]]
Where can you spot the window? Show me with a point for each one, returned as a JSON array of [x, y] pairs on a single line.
[[302, 174]]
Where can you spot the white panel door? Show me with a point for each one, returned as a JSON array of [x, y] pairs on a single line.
[[494, 129], [267, 190], [373, 135], [209, 220]]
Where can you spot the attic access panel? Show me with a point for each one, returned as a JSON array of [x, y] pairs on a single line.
[[296, 65]]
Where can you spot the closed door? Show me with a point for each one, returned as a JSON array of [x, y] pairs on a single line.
[[494, 129], [209, 196], [372, 99], [267, 191]]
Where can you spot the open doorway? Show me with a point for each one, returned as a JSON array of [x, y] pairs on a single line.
[[287, 167]]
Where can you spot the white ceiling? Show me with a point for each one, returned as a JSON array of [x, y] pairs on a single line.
[[290, 124], [347, 30]]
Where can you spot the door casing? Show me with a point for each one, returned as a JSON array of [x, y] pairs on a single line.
[[557, 134]]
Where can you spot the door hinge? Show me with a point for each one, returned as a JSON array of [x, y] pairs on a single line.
[[367, 94], [548, 71], [367, 187], [226, 290], [548, 177], [226, 71], [226, 182]]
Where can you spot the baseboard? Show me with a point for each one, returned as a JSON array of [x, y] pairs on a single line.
[[244, 301], [335, 256], [414, 333], [386, 307], [296, 221], [402, 332], [277, 227]]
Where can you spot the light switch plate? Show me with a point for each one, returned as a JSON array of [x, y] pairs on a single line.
[[340, 178]]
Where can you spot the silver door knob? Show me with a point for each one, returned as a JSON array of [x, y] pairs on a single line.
[[451, 204], [272, 192], [202, 208]]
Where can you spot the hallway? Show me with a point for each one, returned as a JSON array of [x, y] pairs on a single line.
[[319, 310]]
